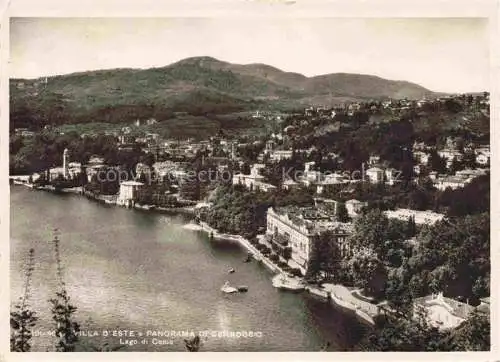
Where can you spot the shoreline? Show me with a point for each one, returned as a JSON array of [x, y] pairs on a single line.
[[256, 254], [325, 295], [106, 199]]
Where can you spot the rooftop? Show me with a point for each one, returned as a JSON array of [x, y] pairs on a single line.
[[251, 176], [132, 183], [354, 201], [459, 179], [421, 217], [469, 172], [96, 159], [313, 219], [454, 307]]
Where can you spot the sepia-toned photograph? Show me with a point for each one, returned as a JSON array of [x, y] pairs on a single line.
[[236, 184]]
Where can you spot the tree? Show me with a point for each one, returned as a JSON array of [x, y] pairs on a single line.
[[453, 257], [314, 264], [417, 286], [437, 163], [397, 291], [456, 166], [418, 200], [440, 278], [370, 231], [473, 334], [62, 310], [287, 254], [106, 182], [190, 189], [324, 257], [148, 159], [474, 198], [394, 257], [342, 214], [83, 178], [142, 178], [469, 160], [22, 319], [405, 332], [145, 196], [453, 106], [369, 273], [412, 227]]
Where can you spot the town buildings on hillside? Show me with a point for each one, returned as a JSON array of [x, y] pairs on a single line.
[[254, 181]]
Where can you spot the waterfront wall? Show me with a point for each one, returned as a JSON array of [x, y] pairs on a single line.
[[356, 308], [319, 292], [327, 295], [365, 317], [330, 295]]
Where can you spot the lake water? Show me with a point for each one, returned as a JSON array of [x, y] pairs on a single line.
[[138, 271]]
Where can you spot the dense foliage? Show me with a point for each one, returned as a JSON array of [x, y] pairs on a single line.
[[45, 150], [450, 257], [407, 334], [23, 318], [453, 257], [239, 211], [324, 258]]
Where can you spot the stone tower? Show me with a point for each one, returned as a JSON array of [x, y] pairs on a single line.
[[66, 163], [233, 150]]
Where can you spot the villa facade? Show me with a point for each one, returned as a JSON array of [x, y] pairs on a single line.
[[442, 312], [129, 191], [254, 181], [300, 227]]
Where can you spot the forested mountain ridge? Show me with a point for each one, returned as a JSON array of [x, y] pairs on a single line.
[[198, 86]]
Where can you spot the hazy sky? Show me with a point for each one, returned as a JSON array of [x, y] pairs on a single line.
[[442, 54]]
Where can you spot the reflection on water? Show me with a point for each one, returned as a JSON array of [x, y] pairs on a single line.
[[138, 271]]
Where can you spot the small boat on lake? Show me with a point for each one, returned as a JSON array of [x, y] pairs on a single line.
[[283, 281], [228, 289]]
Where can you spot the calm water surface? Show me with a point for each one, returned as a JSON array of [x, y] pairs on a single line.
[[132, 270]]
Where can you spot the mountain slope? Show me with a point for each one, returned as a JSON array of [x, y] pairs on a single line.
[[196, 85]]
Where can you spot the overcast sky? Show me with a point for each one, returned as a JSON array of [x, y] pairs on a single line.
[[449, 55]]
